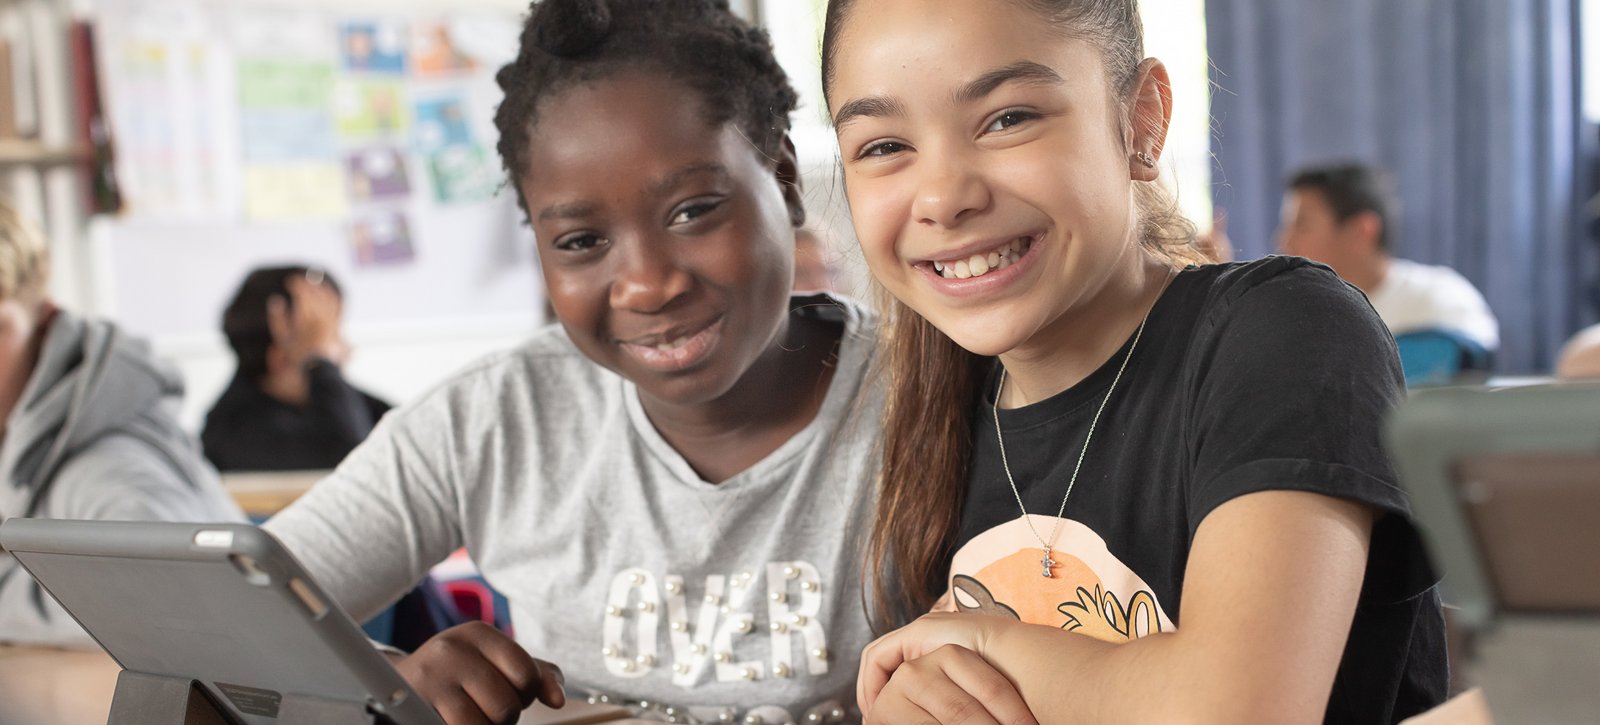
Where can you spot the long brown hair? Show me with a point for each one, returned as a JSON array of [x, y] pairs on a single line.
[[933, 383]]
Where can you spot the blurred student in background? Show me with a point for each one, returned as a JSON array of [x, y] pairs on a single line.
[[813, 263], [1580, 356], [289, 406], [89, 430], [1340, 216]]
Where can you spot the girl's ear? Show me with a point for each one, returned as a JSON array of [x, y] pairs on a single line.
[[788, 172], [1151, 116]]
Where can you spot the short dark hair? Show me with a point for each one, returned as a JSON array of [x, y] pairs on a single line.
[[1352, 189], [565, 43], [244, 321]]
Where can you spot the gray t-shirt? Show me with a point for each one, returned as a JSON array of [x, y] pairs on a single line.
[[620, 564]]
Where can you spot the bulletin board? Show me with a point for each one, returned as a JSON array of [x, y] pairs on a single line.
[[358, 137]]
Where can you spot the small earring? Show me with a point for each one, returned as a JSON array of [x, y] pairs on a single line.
[[1145, 158]]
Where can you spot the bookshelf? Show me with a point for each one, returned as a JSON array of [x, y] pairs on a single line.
[[23, 152], [43, 161]]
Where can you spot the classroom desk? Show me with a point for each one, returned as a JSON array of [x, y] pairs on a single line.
[[50, 686], [263, 494], [44, 686]]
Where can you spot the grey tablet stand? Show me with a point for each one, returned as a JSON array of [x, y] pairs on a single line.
[[143, 699]]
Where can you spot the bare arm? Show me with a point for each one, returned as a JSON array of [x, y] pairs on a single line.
[[1269, 595]]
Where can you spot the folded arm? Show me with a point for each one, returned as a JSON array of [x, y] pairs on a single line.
[[1269, 594]]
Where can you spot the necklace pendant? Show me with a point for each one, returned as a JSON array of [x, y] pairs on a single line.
[[1047, 563]]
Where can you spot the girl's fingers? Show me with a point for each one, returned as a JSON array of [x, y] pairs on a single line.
[[897, 709], [977, 679], [878, 663], [458, 707], [495, 697], [278, 319]]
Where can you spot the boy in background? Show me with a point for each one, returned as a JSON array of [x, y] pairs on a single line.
[[90, 431], [289, 406]]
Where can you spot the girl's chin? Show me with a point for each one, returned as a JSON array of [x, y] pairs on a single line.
[[983, 341]]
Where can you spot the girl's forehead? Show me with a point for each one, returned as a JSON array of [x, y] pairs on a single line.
[[625, 96], [630, 139], [882, 41]]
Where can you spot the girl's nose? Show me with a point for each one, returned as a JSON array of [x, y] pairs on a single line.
[[649, 278]]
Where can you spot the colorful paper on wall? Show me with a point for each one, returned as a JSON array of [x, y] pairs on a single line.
[[463, 174], [442, 122], [369, 108], [284, 111], [294, 191], [435, 52], [377, 173], [381, 237], [280, 84], [373, 46]]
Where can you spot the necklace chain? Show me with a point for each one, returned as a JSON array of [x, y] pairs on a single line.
[[1048, 544]]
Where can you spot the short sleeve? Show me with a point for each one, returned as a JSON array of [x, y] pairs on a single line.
[[388, 513], [1294, 376]]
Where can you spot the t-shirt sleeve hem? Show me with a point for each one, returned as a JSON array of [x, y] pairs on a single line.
[[1287, 474], [1397, 564]]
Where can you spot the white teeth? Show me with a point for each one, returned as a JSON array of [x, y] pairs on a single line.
[[980, 264], [673, 345]]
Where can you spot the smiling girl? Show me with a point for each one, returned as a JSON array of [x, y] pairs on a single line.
[[1086, 432], [663, 485]]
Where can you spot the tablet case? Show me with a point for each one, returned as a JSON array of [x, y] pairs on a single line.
[[217, 615]]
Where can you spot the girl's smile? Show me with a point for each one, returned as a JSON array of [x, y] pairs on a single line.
[[983, 268], [679, 348]]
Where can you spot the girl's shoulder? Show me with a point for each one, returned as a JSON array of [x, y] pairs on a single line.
[[1275, 313], [1274, 292], [545, 372], [1270, 278]]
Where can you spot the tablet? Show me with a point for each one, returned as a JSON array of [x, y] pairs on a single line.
[[224, 605]]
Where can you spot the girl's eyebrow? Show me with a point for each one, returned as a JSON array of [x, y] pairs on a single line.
[[671, 181], [581, 209], [570, 210], [1022, 71], [869, 107]]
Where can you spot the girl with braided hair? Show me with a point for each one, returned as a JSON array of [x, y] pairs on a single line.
[[662, 484]]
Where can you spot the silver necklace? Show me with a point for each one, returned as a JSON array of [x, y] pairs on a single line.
[[1047, 544]]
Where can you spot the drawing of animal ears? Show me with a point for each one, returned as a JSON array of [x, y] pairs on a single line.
[[971, 595], [1110, 619], [1078, 613]]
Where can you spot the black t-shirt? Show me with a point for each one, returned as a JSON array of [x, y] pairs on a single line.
[[248, 430], [1272, 374]]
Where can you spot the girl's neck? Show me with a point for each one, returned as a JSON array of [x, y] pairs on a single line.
[[775, 399], [1080, 341]]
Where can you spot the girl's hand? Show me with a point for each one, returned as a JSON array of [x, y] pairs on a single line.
[[471, 673], [934, 668], [306, 324]]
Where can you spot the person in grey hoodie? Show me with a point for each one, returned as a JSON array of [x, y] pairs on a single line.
[[89, 431]]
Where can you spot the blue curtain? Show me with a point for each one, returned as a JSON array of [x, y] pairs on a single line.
[[1473, 105]]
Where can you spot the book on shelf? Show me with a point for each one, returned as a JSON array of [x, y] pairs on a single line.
[[19, 110], [94, 129], [8, 103]]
